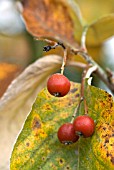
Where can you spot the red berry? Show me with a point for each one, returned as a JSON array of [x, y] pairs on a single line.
[[66, 134], [84, 125], [58, 85]]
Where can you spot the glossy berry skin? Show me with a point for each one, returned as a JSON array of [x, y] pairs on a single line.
[[66, 134], [58, 85], [84, 125]]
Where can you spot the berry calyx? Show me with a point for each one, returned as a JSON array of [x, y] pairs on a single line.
[[58, 85], [66, 134], [84, 125]]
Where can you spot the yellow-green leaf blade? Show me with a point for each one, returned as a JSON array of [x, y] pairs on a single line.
[[94, 9], [17, 101], [98, 152], [38, 146], [100, 30]]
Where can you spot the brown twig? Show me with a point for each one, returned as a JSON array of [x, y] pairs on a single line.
[[86, 75], [99, 71], [56, 44]]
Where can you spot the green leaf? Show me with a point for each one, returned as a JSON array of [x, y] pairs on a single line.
[[100, 30], [37, 146], [18, 99], [94, 9]]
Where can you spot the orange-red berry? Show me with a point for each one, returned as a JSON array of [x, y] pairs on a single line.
[[84, 125], [66, 134], [58, 85]]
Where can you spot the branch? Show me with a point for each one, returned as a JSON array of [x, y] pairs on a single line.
[[100, 72]]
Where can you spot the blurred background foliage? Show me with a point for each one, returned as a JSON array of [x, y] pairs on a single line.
[[18, 48]]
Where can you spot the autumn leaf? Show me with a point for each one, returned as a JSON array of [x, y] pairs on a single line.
[[37, 146], [17, 101], [55, 19], [62, 20]]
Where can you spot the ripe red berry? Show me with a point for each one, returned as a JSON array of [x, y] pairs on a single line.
[[84, 125], [66, 134], [58, 85]]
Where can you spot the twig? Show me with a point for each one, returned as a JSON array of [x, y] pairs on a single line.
[[64, 61], [86, 74], [100, 72], [56, 44]]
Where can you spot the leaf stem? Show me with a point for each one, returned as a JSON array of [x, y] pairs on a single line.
[[83, 39], [56, 44], [64, 61]]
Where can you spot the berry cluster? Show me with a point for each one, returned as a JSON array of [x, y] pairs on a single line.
[[58, 85], [70, 132]]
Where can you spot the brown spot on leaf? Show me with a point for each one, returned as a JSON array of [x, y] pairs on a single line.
[[73, 90], [36, 123], [67, 167], [27, 144], [43, 158], [112, 160], [107, 140], [61, 161], [107, 154], [104, 128], [77, 95], [109, 96]]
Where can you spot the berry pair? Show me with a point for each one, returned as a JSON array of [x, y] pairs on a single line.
[[82, 126]]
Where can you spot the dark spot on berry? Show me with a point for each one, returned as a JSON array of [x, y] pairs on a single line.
[[67, 142], [56, 94]]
